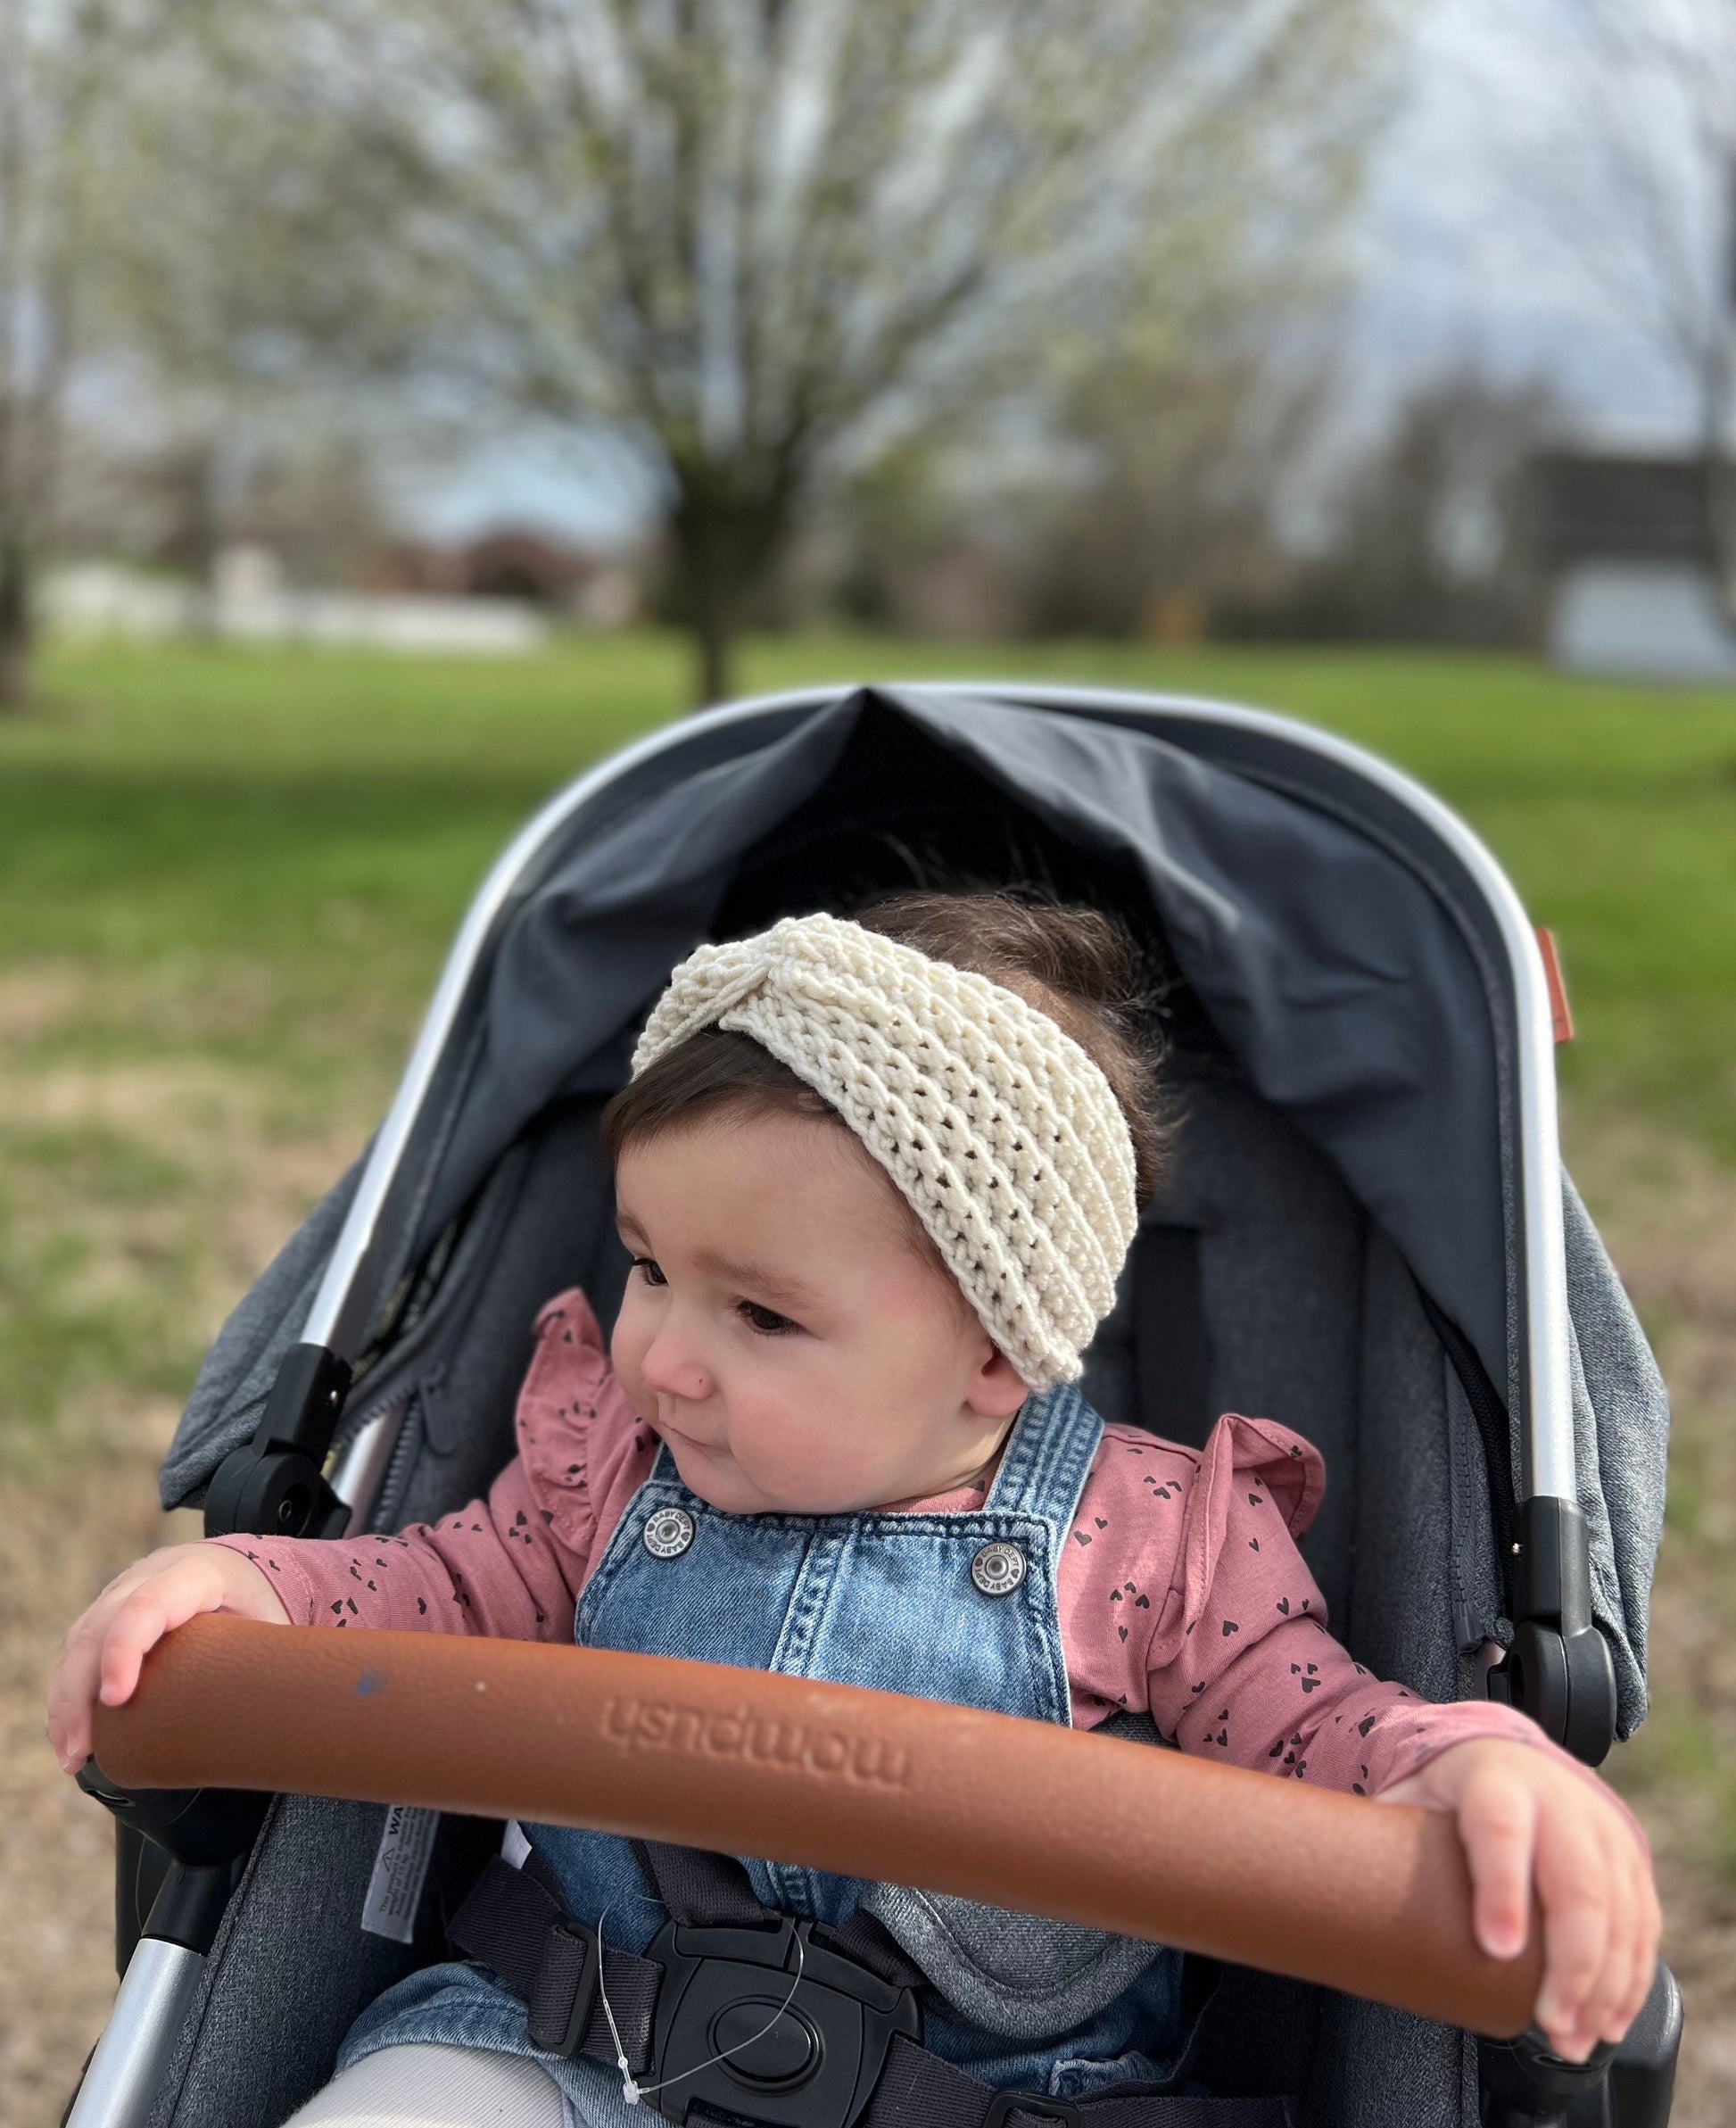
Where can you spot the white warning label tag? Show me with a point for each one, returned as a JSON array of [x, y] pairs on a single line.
[[401, 1868]]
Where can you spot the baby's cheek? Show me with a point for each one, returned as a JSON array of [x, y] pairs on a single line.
[[777, 1451], [808, 1461]]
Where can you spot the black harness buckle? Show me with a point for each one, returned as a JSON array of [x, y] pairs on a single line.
[[1005, 2104], [798, 2053]]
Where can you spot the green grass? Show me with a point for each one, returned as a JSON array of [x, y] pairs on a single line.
[[282, 841], [227, 879]]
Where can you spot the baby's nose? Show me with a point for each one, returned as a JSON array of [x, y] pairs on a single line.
[[672, 1371]]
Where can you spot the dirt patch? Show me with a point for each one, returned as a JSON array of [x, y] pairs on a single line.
[[59, 1543], [34, 1001], [1669, 1216]]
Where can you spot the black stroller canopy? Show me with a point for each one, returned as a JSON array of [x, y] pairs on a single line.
[[1345, 987]]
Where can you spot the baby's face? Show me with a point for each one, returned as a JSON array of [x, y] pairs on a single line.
[[783, 1332]]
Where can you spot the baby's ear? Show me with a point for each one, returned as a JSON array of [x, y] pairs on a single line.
[[997, 1389]]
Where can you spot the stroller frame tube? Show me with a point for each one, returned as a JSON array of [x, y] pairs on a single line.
[[123, 2075]]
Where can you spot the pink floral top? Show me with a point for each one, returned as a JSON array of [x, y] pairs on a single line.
[[1181, 1590]]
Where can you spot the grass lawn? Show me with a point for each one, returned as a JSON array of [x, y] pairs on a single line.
[[227, 882], [310, 825], [241, 869]]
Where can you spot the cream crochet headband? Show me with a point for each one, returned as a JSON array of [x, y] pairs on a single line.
[[997, 1127]]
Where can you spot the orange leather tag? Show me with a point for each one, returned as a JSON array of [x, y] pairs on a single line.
[[1561, 1011]]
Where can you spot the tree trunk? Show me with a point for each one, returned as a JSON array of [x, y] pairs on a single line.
[[707, 599], [727, 533], [714, 648], [14, 624], [1717, 471]]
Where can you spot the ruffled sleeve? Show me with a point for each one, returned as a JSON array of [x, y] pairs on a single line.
[[1184, 1593], [583, 1451], [1178, 1559], [1258, 1487]]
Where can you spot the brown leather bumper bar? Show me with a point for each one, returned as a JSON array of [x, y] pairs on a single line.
[[1211, 1859]]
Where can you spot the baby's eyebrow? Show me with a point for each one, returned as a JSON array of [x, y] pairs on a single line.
[[757, 1279]]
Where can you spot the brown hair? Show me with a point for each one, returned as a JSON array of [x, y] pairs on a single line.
[[1079, 966]]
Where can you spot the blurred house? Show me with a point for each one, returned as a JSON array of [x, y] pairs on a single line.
[[249, 600], [525, 567], [495, 597], [1626, 548]]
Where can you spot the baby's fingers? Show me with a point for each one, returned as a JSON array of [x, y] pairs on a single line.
[[194, 1585], [70, 1692], [1642, 1927], [1573, 1887], [72, 1688], [1599, 2014], [1497, 1825]]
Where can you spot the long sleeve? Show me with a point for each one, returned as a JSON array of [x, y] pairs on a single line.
[[1184, 1594], [511, 1566]]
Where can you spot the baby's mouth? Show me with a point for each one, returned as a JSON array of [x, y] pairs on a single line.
[[679, 1437]]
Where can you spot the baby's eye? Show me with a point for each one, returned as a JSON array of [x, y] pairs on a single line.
[[767, 1321], [650, 1270]]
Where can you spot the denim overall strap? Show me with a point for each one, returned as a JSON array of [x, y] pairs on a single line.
[[1048, 1458]]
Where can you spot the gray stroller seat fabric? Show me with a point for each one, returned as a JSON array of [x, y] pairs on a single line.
[[1329, 1156], [1620, 1439]]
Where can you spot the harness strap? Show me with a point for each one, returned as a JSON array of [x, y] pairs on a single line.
[[514, 1923], [701, 1890], [704, 1889], [918, 2090]]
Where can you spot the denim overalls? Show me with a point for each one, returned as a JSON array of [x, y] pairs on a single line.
[[958, 1607]]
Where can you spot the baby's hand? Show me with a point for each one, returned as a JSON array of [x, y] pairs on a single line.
[[1529, 1821], [103, 1651]]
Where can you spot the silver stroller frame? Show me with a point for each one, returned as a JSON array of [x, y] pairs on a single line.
[[163, 1979]]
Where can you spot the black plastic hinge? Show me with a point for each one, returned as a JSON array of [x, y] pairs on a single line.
[[1558, 1670], [207, 1833], [276, 1486]]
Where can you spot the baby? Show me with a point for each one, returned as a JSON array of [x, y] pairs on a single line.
[[877, 1181]]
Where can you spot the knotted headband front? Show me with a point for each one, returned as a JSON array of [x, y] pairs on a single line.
[[1001, 1133]]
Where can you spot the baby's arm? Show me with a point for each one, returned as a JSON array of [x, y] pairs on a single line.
[[509, 1568], [1245, 1669], [496, 1569]]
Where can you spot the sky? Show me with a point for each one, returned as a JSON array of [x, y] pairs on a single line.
[[1472, 248], [1481, 236]]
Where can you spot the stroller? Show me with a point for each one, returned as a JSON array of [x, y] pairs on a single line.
[[1365, 1232]]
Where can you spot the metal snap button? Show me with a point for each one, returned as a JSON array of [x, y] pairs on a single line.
[[668, 1532], [998, 1569]]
